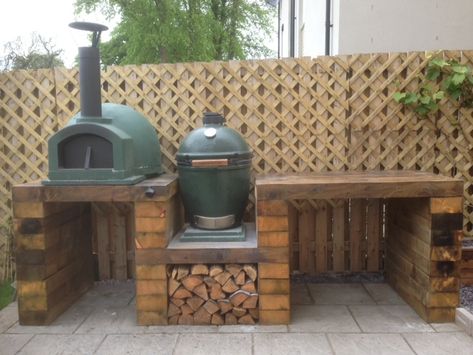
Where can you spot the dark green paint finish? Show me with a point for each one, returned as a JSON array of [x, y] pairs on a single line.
[[214, 191], [136, 151]]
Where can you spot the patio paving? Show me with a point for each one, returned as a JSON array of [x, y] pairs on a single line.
[[326, 319]]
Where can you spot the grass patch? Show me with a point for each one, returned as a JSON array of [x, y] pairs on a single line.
[[6, 294]]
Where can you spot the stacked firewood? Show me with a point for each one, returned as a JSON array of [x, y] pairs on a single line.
[[212, 294]]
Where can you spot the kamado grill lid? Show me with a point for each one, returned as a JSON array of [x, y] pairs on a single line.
[[214, 141]]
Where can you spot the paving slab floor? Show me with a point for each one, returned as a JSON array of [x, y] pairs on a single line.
[[354, 318]]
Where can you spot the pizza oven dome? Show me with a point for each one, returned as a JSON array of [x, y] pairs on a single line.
[[121, 147]]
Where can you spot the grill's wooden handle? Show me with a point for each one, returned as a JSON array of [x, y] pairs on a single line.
[[209, 163]]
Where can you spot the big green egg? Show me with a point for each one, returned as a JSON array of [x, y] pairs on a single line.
[[214, 164]]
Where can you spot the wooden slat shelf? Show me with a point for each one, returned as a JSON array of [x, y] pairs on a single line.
[[343, 185], [164, 186], [57, 227], [419, 214], [210, 252]]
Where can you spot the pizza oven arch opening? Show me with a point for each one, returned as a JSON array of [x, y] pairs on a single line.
[[85, 151]]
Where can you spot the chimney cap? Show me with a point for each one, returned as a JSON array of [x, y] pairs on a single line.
[[95, 28], [88, 26]]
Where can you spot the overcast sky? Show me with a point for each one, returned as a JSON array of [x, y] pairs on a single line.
[[50, 19]]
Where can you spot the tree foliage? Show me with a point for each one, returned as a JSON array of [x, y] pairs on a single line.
[[157, 31], [40, 53]]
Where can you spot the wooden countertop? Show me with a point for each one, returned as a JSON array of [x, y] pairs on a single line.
[[164, 186], [341, 185]]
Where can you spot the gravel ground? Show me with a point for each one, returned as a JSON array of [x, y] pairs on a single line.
[[466, 297], [468, 242]]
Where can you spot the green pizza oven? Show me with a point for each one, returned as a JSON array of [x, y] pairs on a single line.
[[214, 175], [121, 148], [106, 144]]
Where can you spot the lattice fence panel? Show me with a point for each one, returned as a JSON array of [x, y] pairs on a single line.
[[298, 115], [28, 118]]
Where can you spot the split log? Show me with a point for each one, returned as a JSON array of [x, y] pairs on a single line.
[[223, 277], [217, 319], [246, 319], [230, 319], [195, 302], [238, 312], [173, 320], [251, 301], [200, 269], [182, 292], [173, 310], [233, 269], [251, 272], [225, 306], [254, 312], [219, 294], [209, 281], [202, 317], [201, 291], [249, 286], [173, 285], [240, 278], [182, 271], [238, 297], [215, 270], [177, 301], [192, 281], [216, 292], [230, 286], [186, 319], [211, 306], [174, 272], [186, 309]]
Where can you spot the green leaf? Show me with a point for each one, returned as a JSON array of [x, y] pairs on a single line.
[[422, 110], [457, 79], [432, 106], [433, 73], [438, 63], [460, 69], [399, 96], [446, 83], [439, 95], [411, 98], [424, 100], [426, 89], [455, 94]]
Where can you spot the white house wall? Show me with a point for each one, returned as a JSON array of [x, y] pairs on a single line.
[[367, 26], [312, 28]]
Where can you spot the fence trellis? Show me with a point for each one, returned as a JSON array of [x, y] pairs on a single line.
[[324, 114]]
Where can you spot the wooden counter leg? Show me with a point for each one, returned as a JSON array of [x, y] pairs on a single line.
[[54, 264], [273, 278], [151, 294], [423, 252], [155, 225]]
